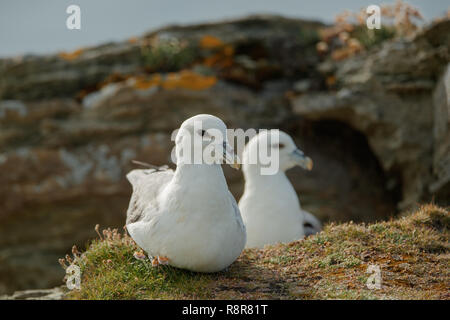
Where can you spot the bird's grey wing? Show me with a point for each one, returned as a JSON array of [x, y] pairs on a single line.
[[147, 184], [237, 212], [312, 225]]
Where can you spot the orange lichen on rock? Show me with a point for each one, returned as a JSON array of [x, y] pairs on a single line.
[[210, 42], [185, 79], [81, 94], [133, 40], [112, 78], [69, 56], [171, 81], [221, 54], [221, 59], [188, 80], [331, 81], [144, 84]]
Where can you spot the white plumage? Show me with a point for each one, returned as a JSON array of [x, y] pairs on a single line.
[[270, 206], [188, 215]]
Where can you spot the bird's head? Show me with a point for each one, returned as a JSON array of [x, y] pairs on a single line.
[[202, 139], [278, 144]]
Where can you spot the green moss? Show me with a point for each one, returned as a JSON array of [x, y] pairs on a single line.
[[372, 37], [308, 36], [169, 56]]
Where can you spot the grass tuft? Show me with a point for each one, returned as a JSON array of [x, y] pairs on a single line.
[[412, 253]]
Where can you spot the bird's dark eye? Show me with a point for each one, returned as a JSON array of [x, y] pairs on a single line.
[[279, 146], [203, 133]]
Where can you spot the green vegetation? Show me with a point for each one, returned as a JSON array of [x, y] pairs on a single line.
[[169, 55], [372, 37], [412, 253]]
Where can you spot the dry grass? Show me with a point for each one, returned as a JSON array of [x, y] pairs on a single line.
[[349, 35], [412, 252]]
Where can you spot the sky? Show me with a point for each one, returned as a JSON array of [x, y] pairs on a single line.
[[39, 26]]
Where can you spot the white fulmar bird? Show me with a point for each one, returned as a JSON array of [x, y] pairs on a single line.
[[187, 217], [270, 206]]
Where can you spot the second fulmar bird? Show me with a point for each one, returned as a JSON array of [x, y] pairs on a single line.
[[187, 217], [270, 207]]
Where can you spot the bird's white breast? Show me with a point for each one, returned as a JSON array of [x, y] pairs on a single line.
[[197, 228], [271, 212]]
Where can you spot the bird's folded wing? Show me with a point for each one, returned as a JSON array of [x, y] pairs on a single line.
[[237, 212], [147, 184], [312, 224]]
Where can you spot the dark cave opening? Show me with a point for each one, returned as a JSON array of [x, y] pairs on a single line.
[[347, 181]]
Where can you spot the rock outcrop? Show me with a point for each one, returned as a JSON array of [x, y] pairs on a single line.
[[398, 97], [38, 294], [70, 124]]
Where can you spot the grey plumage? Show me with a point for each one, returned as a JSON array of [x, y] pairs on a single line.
[[146, 183]]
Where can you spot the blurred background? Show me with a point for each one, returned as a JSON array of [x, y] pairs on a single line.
[[39, 26], [370, 107]]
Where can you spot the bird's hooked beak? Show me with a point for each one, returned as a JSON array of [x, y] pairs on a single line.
[[229, 156], [300, 159]]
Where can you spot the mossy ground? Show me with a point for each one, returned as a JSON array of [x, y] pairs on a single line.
[[412, 253]]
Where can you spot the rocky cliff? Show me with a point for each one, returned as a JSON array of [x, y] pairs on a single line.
[[375, 124]]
